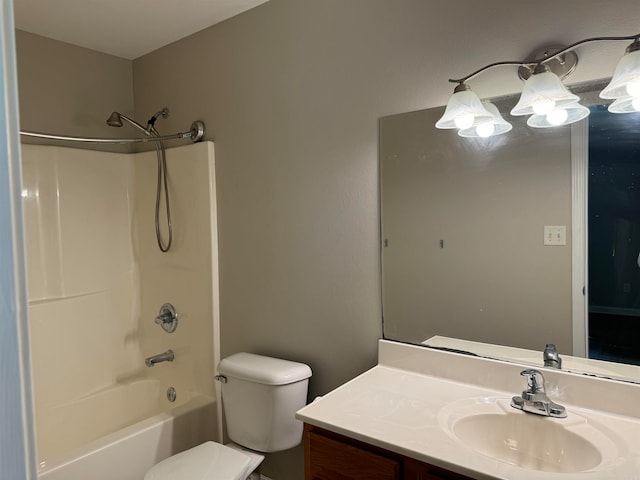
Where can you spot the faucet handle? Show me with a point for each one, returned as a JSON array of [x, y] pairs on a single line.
[[535, 381], [167, 318]]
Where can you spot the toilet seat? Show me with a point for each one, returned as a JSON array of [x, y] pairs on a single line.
[[255, 458], [209, 461]]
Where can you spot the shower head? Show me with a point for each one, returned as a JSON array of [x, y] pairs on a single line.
[[114, 120]]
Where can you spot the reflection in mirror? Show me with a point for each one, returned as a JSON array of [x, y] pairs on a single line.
[[614, 236], [478, 249]]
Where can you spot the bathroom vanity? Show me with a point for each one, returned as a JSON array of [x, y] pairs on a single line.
[[428, 414], [329, 456]]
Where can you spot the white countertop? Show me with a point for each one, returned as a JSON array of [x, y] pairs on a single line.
[[402, 403]]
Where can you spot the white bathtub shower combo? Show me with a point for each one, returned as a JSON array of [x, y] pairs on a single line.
[[97, 280]]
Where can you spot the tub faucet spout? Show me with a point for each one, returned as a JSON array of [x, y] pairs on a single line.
[[167, 356]]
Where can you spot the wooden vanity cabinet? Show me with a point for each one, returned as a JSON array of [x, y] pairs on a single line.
[[330, 456]]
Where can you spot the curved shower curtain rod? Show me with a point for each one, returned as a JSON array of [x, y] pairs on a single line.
[[196, 133]]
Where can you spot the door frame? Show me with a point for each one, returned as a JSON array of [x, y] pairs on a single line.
[[17, 437], [579, 237]]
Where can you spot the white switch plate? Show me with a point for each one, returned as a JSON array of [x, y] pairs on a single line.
[[555, 235]]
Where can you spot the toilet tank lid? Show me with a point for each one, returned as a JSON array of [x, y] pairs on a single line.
[[261, 369]]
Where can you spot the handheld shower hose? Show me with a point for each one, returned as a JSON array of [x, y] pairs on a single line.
[[115, 120]]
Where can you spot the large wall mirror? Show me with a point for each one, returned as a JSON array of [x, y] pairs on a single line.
[[487, 244]]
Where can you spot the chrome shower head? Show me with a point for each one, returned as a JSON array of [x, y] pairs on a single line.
[[114, 120]]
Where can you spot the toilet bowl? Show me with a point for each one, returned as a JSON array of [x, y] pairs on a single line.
[[260, 396]]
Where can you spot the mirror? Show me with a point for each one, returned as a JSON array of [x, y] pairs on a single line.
[[466, 262]]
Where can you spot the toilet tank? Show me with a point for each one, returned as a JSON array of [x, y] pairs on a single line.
[[260, 396]]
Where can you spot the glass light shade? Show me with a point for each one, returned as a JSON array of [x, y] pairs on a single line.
[[542, 93], [625, 105], [558, 117], [626, 78], [464, 110], [496, 126]]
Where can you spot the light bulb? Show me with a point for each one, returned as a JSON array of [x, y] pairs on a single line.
[[464, 121], [542, 106], [635, 103], [633, 88], [485, 130], [557, 117]]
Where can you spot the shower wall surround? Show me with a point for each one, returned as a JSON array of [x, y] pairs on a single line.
[[82, 278], [96, 280]]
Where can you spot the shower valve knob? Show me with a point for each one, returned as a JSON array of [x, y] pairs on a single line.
[[167, 318]]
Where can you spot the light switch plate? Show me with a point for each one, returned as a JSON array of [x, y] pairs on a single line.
[[555, 235]]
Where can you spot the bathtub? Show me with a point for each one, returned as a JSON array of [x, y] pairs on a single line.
[[81, 441]]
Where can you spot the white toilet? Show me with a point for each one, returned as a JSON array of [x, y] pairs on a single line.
[[260, 396]]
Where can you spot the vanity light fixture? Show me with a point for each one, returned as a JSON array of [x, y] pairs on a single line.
[[625, 84], [464, 110], [544, 97], [543, 92], [559, 116], [625, 105], [494, 126]]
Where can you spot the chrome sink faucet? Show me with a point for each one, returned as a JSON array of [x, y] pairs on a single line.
[[167, 356], [551, 357], [534, 399]]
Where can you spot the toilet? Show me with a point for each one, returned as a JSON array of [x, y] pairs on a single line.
[[260, 396]]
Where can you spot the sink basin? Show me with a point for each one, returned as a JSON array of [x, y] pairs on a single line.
[[494, 429], [528, 441]]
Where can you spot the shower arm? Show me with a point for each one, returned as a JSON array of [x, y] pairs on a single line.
[[196, 133]]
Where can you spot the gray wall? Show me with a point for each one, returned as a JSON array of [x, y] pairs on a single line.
[[291, 92], [70, 90]]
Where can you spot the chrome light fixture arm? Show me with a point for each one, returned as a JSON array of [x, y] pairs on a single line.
[[532, 64], [517, 63]]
